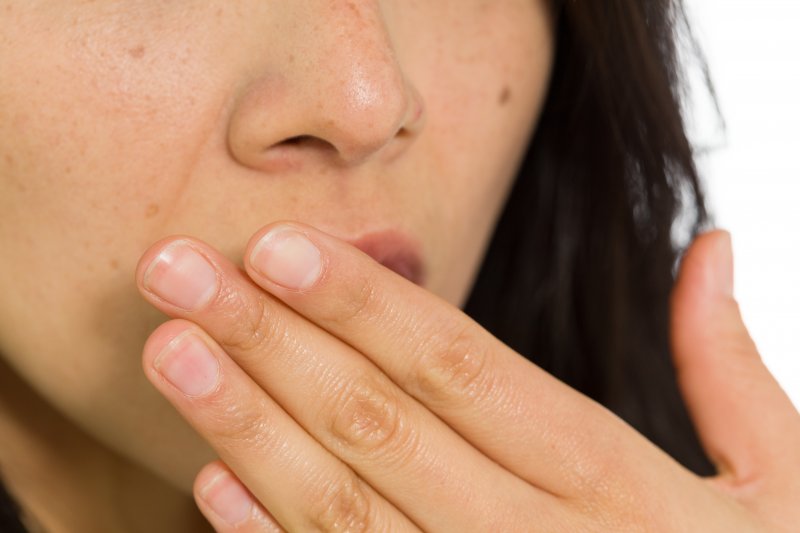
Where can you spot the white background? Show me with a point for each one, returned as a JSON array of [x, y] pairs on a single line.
[[752, 171]]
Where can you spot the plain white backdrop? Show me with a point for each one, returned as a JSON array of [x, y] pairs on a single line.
[[752, 171]]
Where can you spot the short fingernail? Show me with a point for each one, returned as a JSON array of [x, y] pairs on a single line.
[[188, 364], [288, 258], [228, 499], [181, 276]]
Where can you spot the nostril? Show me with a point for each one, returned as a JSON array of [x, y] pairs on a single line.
[[304, 142], [300, 139], [290, 151]]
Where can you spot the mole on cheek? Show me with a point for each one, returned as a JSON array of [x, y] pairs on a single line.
[[505, 95], [152, 210]]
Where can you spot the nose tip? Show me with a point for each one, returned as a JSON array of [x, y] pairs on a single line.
[[372, 115], [345, 101]]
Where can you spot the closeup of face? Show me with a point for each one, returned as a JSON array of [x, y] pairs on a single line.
[[124, 122]]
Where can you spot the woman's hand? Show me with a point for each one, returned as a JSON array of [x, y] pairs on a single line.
[[360, 401]]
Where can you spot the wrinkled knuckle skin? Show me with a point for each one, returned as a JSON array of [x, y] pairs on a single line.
[[252, 322], [238, 428], [455, 367], [359, 303], [368, 421], [342, 506], [608, 497]]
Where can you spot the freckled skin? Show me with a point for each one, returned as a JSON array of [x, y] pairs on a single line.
[[121, 123], [137, 52], [505, 95]]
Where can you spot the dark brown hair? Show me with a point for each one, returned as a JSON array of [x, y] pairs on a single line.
[[578, 275]]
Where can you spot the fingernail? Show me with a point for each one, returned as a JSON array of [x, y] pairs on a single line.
[[188, 364], [723, 267], [288, 258], [181, 276], [228, 499]]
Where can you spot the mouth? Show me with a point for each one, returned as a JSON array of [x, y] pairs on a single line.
[[395, 251]]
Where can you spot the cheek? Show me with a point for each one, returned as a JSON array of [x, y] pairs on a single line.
[[98, 117], [96, 138], [485, 86], [98, 135]]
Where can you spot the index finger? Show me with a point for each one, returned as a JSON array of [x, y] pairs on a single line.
[[514, 412]]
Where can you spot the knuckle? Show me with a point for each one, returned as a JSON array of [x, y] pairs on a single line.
[[626, 511], [368, 420], [455, 366], [593, 463], [255, 325], [237, 426], [360, 303], [608, 491], [342, 506]]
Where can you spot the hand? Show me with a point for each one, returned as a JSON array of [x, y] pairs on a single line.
[[360, 401]]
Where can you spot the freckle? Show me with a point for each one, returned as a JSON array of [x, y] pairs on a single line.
[[9, 160], [114, 264], [505, 95], [152, 210], [137, 52], [291, 58]]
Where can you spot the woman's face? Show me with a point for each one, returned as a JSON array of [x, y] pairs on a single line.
[[124, 122]]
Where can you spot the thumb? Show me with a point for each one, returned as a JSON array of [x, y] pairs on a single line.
[[745, 421]]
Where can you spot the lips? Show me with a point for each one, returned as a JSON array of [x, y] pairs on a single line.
[[395, 251]]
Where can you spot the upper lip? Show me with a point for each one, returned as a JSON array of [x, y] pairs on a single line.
[[394, 250]]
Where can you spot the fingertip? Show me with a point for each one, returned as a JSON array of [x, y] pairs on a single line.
[[722, 278], [288, 258], [706, 271], [222, 498], [149, 254], [271, 227], [164, 334], [206, 475]]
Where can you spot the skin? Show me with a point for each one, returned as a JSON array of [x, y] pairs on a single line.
[[124, 122], [130, 123]]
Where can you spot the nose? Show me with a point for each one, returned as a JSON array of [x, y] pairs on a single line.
[[326, 85]]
